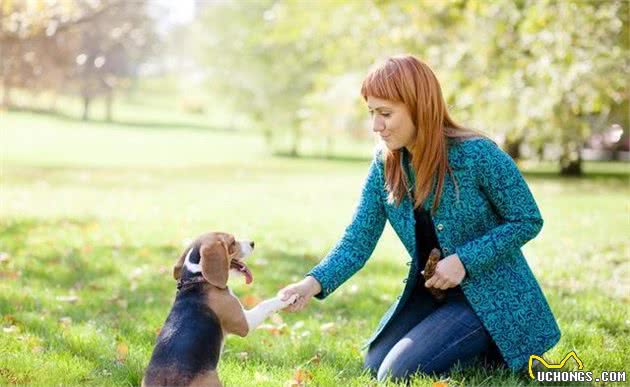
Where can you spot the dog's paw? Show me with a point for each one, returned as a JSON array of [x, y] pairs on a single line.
[[291, 299]]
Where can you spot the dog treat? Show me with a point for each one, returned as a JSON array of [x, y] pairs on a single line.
[[429, 270]]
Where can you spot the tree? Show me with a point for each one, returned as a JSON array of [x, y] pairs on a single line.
[[82, 44]]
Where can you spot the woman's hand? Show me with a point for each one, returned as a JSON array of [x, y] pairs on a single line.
[[449, 273], [305, 289]]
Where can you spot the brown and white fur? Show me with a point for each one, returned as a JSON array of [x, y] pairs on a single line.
[[189, 345]]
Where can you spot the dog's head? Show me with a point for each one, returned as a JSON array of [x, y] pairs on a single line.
[[213, 255]]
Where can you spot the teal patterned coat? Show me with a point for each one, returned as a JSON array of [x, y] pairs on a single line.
[[494, 217]]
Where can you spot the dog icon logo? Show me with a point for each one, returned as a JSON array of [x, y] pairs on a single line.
[[554, 366]]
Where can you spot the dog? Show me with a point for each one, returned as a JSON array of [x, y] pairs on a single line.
[[205, 310]]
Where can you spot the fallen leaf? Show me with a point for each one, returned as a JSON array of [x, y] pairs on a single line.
[[314, 360], [272, 329], [10, 274], [122, 350], [301, 376], [440, 383], [250, 301]]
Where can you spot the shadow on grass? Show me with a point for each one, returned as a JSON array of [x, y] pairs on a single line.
[[337, 158], [621, 177], [158, 125]]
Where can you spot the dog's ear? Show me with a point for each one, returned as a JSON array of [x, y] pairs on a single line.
[[215, 263], [177, 267]]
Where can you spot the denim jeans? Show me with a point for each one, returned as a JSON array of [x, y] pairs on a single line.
[[430, 337]]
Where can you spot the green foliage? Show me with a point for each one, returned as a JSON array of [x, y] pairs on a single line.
[[527, 71]]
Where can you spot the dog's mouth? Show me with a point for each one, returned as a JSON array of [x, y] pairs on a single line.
[[242, 268]]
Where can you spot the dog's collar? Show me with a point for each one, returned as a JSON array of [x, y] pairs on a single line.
[[190, 281]]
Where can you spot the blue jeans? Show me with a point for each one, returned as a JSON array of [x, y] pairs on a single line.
[[429, 337]]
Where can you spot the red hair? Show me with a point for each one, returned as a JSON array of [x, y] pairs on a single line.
[[408, 80]]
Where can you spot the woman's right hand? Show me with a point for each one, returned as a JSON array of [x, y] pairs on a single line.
[[305, 290]]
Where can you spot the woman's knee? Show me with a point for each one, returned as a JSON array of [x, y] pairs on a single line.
[[399, 366]]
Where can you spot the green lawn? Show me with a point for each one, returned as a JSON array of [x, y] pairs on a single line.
[[93, 215]]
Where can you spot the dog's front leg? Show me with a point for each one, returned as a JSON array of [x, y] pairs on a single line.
[[260, 312]]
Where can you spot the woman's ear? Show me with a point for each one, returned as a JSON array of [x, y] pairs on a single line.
[[177, 267], [215, 263]]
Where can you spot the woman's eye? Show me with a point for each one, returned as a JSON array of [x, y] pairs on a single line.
[[386, 114]]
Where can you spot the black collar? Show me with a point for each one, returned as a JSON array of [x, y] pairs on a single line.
[[190, 281]]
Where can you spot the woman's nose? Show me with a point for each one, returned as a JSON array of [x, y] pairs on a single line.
[[377, 124]]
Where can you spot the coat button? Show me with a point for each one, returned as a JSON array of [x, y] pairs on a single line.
[[446, 250], [405, 281], [408, 263], [440, 227]]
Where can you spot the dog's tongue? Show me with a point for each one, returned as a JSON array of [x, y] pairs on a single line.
[[242, 267], [248, 274]]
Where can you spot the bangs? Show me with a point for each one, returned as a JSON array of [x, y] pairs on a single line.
[[382, 82]]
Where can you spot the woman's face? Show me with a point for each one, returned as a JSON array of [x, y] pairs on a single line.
[[392, 122]]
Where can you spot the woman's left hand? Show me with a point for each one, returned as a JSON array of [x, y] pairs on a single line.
[[449, 272]]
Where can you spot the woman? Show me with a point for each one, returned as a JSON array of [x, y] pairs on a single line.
[[444, 186]]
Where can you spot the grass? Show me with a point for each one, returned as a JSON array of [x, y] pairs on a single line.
[[93, 215]]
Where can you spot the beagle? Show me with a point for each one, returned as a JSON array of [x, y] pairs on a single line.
[[189, 345]]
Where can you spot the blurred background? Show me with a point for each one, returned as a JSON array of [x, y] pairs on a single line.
[[548, 79], [128, 127]]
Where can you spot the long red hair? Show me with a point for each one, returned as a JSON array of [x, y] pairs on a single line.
[[408, 80]]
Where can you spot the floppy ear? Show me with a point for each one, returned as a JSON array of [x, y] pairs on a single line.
[[177, 268], [214, 263]]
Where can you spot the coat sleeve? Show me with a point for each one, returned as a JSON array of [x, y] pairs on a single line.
[[520, 219], [359, 239]]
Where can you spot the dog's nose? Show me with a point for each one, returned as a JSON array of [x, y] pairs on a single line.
[[251, 244]]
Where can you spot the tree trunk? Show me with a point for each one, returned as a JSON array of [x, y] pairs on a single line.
[[109, 101], [6, 93], [86, 107], [268, 134], [571, 160], [297, 134], [330, 146], [513, 148]]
